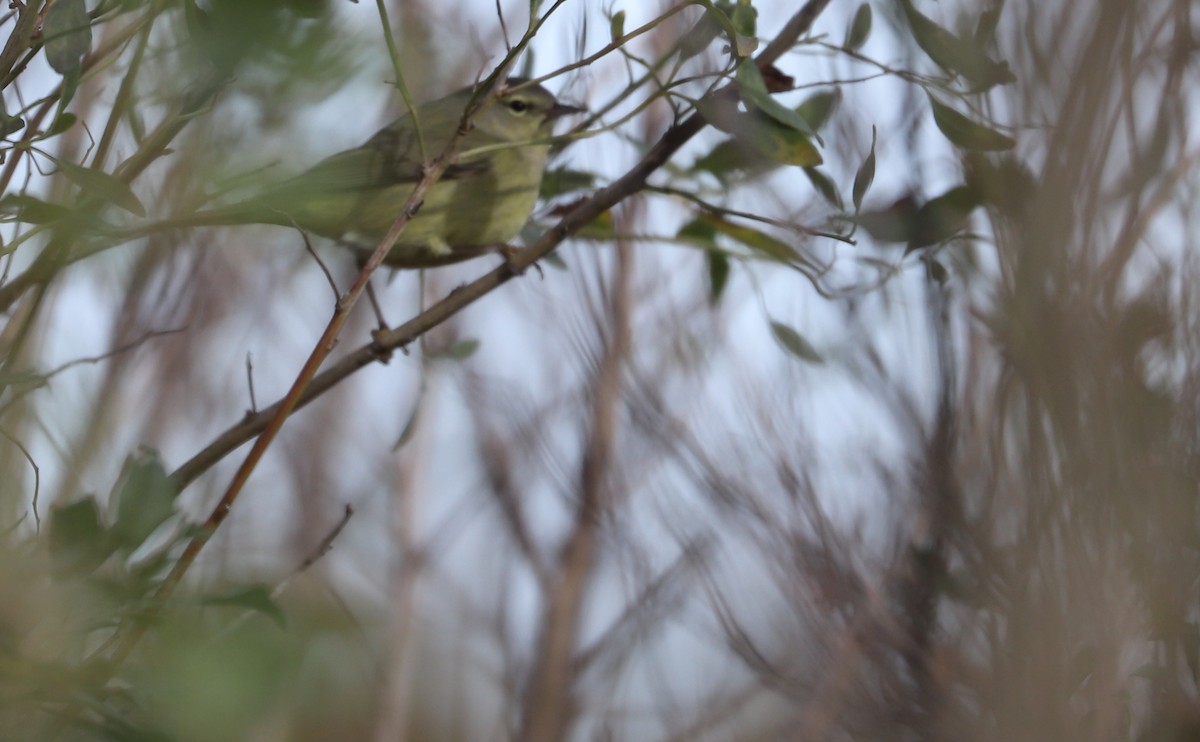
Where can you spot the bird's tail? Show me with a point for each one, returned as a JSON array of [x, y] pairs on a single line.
[[243, 213]]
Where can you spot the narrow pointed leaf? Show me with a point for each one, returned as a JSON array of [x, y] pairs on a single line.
[[760, 242], [985, 28], [818, 107], [774, 141], [943, 217], [860, 28], [33, 210], [144, 497], [256, 598], [824, 186], [895, 223], [966, 58], [558, 181], [718, 19], [61, 124], [865, 175], [698, 232], [78, 541], [795, 343], [754, 92], [103, 186], [966, 133], [718, 275], [731, 156]]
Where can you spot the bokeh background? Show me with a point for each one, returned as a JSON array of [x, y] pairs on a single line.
[[669, 485]]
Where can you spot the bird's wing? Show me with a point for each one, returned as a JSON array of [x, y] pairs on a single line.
[[391, 157]]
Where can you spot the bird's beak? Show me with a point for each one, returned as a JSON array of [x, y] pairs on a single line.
[[559, 110]]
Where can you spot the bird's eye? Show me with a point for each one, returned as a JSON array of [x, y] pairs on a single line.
[[518, 106]]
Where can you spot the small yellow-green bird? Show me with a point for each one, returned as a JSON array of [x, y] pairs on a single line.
[[478, 205]]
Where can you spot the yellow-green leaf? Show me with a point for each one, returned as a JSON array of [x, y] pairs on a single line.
[[778, 143], [760, 242], [560, 180], [616, 25], [600, 228]]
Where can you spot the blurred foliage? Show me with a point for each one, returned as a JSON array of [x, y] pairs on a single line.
[[1026, 569]]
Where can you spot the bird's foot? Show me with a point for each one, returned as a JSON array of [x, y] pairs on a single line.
[[509, 253]]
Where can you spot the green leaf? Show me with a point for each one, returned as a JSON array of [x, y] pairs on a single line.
[[70, 87], [309, 8], [78, 542], [760, 242], [255, 598], [795, 343], [824, 186], [67, 34], [616, 25], [966, 58], [718, 275], [764, 136], [716, 20], [565, 180], [144, 497], [860, 28], [938, 272], [9, 124], [698, 232], [34, 211], [985, 28], [943, 217], [966, 133], [818, 107], [745, 20], [137, 127], [61, 124], [461, 350], [896, 223], [729, 156], [1006, 183], [754, 91], [103, 186], [410, 425], [865, 175], [601, 228]]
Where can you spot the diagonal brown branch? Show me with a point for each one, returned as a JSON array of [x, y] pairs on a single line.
[[604, 199]]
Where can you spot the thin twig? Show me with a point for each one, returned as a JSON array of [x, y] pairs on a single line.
[[37, 476], [250, 383]]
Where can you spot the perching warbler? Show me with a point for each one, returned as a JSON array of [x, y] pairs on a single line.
[[478, 204]]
